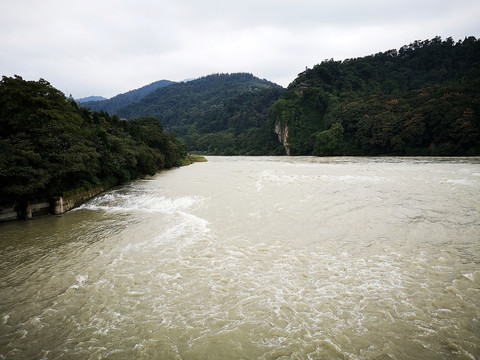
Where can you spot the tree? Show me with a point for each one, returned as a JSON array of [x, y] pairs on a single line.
[[48, 145], [422, 99], [327, 142]]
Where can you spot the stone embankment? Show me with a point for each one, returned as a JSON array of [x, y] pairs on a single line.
[[59, 205], [54, 206]]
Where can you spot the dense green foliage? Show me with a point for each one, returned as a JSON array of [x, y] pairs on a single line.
[[421, 100], [237, 127], [217, 114], [183, 102], [49, 145], [117, 102]]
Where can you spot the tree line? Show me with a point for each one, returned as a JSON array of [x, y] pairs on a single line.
[[420, 100], [50, 145]]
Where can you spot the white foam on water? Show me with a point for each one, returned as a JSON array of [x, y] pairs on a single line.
[[469, 276], [283, 178], [140, 201], [465, 182], [80, 281]]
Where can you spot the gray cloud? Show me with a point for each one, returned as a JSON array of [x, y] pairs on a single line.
[[107, 47]]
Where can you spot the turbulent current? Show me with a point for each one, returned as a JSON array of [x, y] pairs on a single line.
[[254, 258]]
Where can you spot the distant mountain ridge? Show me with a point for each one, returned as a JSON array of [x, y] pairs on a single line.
[[91, 98], [218, 113], [117, 102], [180, 102]]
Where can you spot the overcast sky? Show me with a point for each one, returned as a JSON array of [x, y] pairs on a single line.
[[107, 47]]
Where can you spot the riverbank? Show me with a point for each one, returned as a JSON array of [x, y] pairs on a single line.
[[62, 204], [54, 206], [191, 158]]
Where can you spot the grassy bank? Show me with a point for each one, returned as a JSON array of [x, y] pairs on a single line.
[[192, 158]]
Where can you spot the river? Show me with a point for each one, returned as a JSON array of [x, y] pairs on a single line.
[[254, 258]]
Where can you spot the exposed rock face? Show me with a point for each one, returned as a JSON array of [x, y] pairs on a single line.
[[282, 133]]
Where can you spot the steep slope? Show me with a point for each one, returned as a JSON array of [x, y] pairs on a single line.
[[119, 101], [420, 100]]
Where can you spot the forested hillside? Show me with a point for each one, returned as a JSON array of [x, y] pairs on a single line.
[[48, 145], [216, 114], [117, 102], [422, 99], [240, 126], [181, 103]]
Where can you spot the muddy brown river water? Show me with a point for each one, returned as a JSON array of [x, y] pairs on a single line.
[[254, 258]]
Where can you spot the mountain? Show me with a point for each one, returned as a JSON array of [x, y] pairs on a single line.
[[119, 101], [422, 99], [181, 103], [215, 113], [91, 98]]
